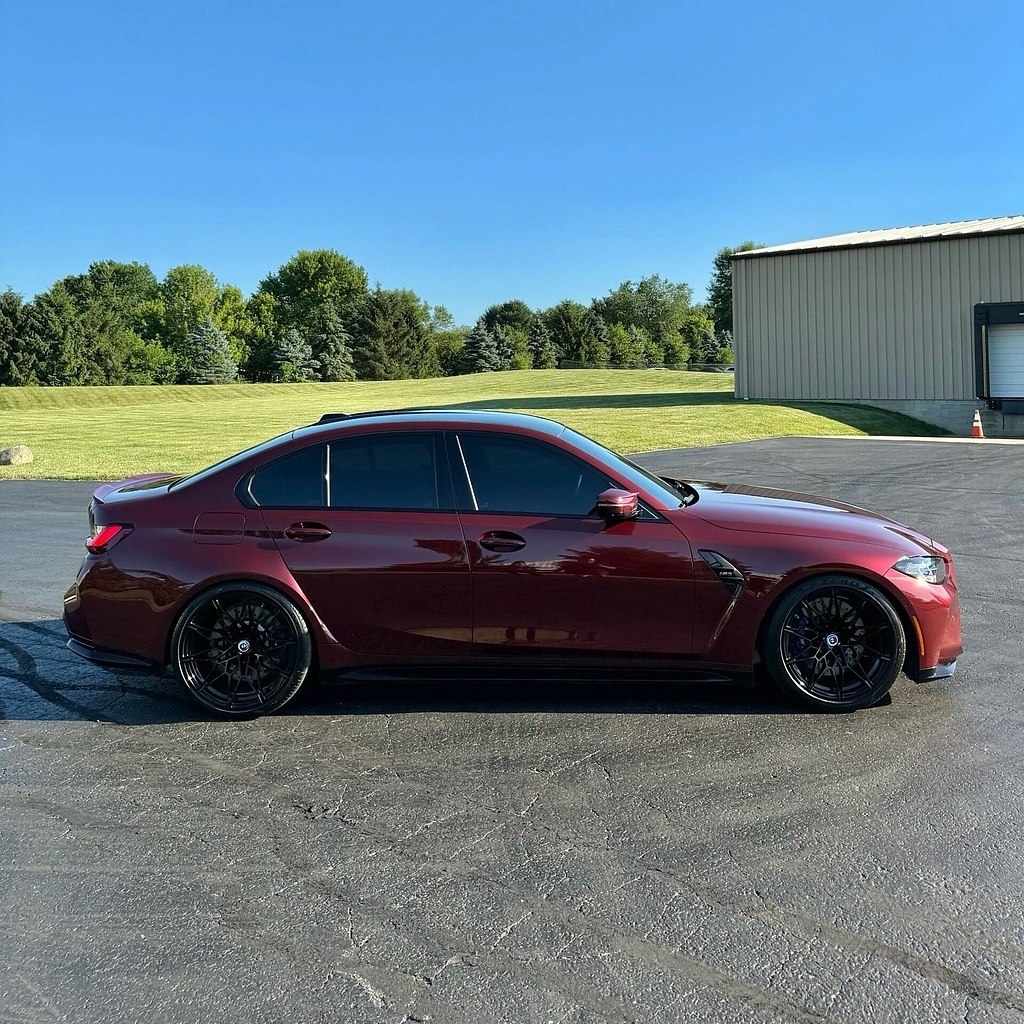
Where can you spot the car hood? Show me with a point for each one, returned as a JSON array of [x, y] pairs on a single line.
[[768, 510]]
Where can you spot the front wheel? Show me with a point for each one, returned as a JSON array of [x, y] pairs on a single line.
[[835, 643], [241, 649]]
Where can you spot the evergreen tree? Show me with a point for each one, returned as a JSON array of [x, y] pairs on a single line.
[[293, 359], [391, 340], [480, 353], [206, 356], [720, 287], [332, 347], [13, 314], [53, 346], [594, 348], [512, 346], [541, 346]]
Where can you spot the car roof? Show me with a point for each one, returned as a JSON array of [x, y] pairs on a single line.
[[431, 419]]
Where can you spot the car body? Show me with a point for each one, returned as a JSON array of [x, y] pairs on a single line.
[[419, 539]]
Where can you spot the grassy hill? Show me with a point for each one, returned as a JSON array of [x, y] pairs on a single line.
[[112, 432]]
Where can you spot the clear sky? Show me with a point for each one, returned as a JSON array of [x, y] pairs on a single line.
[[476, 151]]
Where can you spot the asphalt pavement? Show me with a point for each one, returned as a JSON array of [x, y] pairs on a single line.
[[625, 852]]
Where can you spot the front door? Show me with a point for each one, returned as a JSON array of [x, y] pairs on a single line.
[[375, 542], [550, 578]]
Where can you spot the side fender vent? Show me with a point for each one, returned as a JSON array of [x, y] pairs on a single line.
[[725, 571]]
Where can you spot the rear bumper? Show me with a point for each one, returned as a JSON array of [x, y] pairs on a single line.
[[112, 659]]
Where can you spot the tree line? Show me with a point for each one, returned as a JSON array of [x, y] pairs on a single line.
[[317, 319]]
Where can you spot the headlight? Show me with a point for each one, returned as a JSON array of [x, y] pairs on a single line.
[[929, 568]]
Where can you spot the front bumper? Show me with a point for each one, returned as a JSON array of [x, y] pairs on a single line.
[[941, 671], [934, 610]]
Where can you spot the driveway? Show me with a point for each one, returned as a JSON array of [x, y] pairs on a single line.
[[608, 853]]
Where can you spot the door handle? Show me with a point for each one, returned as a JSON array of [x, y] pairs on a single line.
[[307, 531], [501, 540]]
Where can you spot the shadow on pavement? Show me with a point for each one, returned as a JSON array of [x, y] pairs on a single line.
[[41, 680]]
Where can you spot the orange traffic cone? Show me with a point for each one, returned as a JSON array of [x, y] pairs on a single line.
[[976, 430]]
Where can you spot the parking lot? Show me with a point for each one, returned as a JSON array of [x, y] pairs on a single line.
[[616, 852]]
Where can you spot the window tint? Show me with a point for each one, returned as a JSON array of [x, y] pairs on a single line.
[[513, 475], [385, 471], [296, 481]]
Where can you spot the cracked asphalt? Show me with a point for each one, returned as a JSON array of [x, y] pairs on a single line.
[[617, 852]]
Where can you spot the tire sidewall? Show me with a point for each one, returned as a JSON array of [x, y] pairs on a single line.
[[772, 648], [294, 616]]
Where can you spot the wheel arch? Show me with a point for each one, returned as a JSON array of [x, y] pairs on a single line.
[[316, 628], [911, 630]]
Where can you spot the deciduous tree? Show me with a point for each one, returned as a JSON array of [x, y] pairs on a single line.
[[655, 304], [311, 280]]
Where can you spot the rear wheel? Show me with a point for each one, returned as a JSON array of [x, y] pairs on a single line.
[[242, 649], [835, 642]]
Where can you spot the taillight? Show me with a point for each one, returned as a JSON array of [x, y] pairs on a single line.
[[106, 537]]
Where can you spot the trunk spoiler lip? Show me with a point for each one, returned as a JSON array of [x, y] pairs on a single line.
[[133, 483]]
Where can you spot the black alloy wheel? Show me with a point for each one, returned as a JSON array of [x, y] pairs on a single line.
[[241, 649], [835, 642]]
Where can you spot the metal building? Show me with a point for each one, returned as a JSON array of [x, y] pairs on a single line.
[[927, 320]]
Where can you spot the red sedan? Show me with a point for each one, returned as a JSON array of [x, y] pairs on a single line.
[[397, 542]]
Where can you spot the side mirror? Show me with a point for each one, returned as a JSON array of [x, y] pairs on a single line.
[[614, 505]]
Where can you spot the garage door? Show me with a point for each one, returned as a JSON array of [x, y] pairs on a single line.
[[1006, 360]]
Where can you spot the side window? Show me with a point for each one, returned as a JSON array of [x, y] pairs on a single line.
[[387, 471], [296, 481], [514, 475]]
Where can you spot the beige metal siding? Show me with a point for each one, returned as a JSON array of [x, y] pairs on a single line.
[[877, 322]]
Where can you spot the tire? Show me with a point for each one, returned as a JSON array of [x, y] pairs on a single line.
[[835, 643], [241, 649]]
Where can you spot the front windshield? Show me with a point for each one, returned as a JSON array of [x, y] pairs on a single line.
[[672, 492], [229, 461]]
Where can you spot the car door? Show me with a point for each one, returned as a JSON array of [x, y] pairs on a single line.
[[367, 526], [549, 577]]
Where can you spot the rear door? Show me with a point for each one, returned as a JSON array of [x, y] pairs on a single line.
[[367, 526]]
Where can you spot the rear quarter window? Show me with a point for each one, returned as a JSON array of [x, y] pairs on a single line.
[[294, 481]]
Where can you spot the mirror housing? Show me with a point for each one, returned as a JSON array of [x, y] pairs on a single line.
[[614, 505]]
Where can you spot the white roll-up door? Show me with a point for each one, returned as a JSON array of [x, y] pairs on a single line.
[[1006, 361]]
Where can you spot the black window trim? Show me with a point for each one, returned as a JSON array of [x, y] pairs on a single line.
[[243, 489], [443, 475], [652, 514]]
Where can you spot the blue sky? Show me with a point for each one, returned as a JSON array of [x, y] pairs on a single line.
[[476, 152]]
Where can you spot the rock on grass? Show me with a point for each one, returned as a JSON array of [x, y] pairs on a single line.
[[15, 455]]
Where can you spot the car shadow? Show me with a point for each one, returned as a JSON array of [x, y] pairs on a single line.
[[41, 680]]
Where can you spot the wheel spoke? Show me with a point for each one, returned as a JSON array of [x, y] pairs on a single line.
[[235, 681]]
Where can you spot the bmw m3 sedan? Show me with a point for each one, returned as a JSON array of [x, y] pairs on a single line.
[[389, 543]]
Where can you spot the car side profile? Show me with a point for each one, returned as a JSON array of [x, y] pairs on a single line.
[[437, 540]]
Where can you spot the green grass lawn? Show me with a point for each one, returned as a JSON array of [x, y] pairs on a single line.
[[111, 432]]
